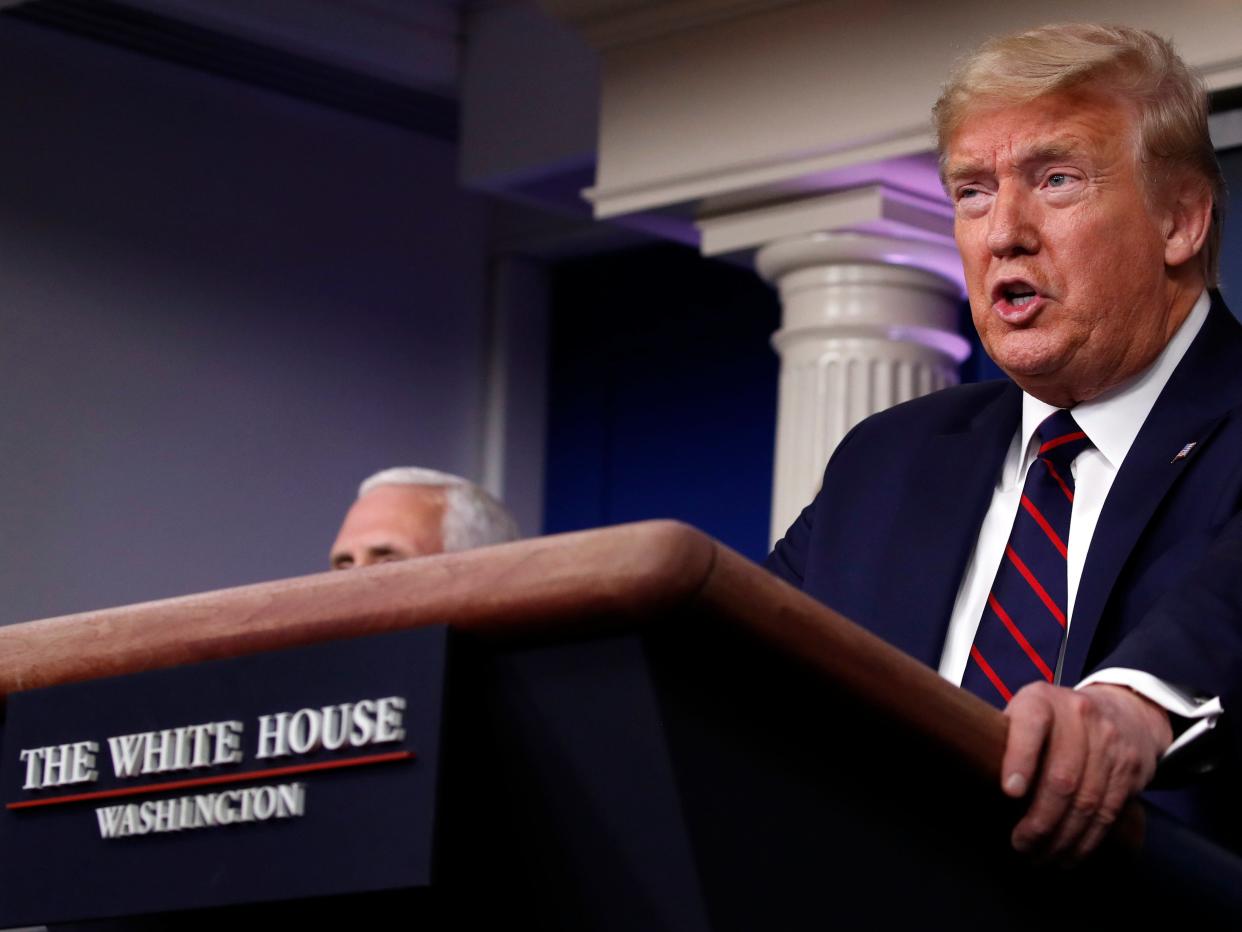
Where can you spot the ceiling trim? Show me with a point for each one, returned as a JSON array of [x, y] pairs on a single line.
[[609, 23], [253, 63]]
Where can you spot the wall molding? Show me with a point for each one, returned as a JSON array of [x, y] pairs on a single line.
[[608, 24]]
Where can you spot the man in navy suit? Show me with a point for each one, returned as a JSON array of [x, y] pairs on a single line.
[[1084, 184]]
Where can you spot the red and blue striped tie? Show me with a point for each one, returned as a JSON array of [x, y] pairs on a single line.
[[1024, 623]]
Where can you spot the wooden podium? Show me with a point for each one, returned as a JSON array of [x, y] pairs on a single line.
[[644, 730]]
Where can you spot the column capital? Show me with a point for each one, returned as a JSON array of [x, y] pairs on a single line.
[[868, 321], [781, 258], [876, 207]]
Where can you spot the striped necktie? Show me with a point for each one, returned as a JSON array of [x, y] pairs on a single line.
[[1024, 623]]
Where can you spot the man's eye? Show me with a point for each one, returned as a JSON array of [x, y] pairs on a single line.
[[1058, 179], [966, 192]]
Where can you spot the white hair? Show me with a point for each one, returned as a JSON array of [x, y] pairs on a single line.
[[472, 517]]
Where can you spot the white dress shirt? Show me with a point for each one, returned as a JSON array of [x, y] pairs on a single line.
[[1111, 421]]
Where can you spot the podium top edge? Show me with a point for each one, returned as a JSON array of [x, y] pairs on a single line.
[[513, 590]]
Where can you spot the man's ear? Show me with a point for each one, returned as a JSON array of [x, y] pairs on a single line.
[[1187, 222]]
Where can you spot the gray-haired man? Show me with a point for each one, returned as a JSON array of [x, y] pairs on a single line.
[[408, 511]]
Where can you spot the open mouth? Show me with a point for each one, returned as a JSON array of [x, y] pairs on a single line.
[[1019, 296], [1016, 292], [1016, 300]]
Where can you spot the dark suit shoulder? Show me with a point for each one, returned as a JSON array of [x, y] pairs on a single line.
[[949, 410]]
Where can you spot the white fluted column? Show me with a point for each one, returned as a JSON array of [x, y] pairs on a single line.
[[867, 322]]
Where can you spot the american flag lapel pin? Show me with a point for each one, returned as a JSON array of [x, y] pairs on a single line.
[[1185, 451]]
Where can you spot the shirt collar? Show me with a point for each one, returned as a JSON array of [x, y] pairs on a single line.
[[1113, 420]]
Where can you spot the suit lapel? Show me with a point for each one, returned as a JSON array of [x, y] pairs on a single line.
[[938, 523], [1190, 408]]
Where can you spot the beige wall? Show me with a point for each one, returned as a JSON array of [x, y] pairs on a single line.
[[693, 109]]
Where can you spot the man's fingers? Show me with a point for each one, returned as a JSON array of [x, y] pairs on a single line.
[[1030, 720], [1091, 750], [1103, 819], [1060, 777], [1098, 788], [1131, 769]]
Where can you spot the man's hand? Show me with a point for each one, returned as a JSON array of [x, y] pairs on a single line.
[[1099, 746]]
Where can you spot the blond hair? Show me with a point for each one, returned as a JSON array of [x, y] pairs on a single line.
[[1118, 61]]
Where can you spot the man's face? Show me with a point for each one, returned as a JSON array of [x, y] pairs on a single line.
[[390, 522], [1064, 257]]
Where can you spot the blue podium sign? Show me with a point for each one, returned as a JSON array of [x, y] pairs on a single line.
[[296, 773]]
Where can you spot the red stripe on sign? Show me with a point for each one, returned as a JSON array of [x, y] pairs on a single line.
[[1064, 438], [1069, 493], [1043, 523], [1034, 584], [990, 674], [1017, 636], [220, 778]]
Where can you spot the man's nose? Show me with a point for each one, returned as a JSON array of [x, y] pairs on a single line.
[[1012, 226]]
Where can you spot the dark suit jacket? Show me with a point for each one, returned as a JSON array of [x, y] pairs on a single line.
[[886, 540]]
